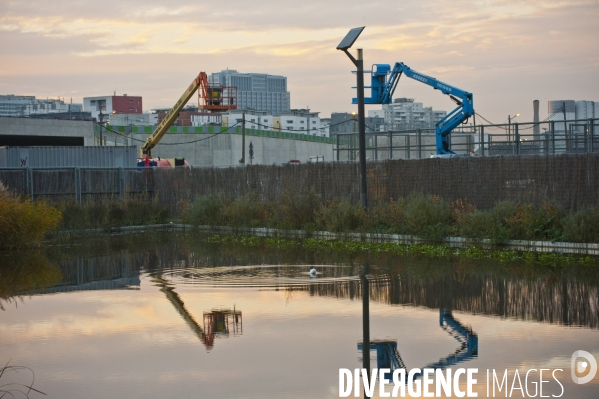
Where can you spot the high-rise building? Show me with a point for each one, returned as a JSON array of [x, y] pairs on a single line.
[[257, 91], [405, 114]]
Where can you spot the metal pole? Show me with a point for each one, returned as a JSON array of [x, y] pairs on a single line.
[[482, 141], [390, 145], [517, 138], [337, 147], [362, 131], [565, 127], [553, 137], [242, 160], [509, 129], [591, 134], [365, 322], [419, 144], [101, 120]]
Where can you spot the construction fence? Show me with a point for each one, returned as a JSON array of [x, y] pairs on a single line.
[[570, 180], [531, 138]]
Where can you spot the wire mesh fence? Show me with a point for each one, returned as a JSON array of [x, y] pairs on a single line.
[[568, 180], [530, 138]]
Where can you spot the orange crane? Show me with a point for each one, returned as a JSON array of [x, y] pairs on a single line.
[[211, 97]]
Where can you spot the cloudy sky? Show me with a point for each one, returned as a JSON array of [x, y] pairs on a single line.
[[506, 52]]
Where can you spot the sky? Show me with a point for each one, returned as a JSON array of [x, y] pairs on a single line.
[[506, 52]]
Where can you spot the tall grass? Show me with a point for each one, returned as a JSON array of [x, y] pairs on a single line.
[[24, 223], [107, 213], [422, 215]]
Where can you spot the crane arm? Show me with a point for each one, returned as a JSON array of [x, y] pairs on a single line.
[[173, 114], [384, 81]]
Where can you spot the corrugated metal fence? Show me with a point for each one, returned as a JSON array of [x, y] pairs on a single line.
[[571, 180]]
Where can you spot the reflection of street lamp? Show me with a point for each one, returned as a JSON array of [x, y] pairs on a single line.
[[509, 129], [345, 44]]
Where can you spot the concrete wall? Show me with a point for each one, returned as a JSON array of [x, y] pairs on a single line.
[[205, 149], [48, 127]]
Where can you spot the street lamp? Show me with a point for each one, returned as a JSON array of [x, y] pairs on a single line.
[[509, 129], [345, 44]]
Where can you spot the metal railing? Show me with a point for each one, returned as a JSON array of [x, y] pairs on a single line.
[[530, 138]]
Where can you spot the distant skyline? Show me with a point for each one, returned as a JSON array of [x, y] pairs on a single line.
[[506, 52]]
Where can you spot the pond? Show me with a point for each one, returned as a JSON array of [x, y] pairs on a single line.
[[174, 316]]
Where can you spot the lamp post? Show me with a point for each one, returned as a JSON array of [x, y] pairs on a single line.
[[353, 141], [345, 44]]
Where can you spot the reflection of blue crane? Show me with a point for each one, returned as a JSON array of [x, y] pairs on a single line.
[[385, 79], [387, 356]]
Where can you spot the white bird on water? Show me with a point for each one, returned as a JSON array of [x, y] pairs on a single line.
[[313, 272]]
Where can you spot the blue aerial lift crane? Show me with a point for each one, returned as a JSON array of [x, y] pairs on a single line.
[[388, 356], [384, 81]]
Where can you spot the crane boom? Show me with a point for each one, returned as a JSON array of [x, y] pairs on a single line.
[[384, 81], [172, 115]]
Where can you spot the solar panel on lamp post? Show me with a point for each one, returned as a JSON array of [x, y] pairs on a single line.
[[345, 44]]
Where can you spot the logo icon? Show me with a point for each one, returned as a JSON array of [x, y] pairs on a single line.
[[581, 366]]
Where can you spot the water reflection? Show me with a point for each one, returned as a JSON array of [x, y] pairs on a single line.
[[389, 357], [217, 322], [158, 331], [567, 296]]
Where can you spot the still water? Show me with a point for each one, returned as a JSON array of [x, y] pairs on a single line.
[[166, 316]]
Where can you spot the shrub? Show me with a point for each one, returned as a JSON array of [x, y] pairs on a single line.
[[488, 224], [24, 223], [341, 217], [205, 210], [389, 217], [582, 226], [297, 211], [109, 213], [247, 211], [428, 216]]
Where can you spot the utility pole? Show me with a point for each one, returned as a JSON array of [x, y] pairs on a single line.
[[242, 160]]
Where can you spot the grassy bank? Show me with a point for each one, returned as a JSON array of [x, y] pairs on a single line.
[[429, 217]]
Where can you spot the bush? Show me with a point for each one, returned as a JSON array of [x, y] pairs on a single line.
[[25, 223], [389, 218], [205, 210], [108, 213], [488, 224], [298, 211], [341, 217], [428, 216], [582, 226], [247, 211]]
